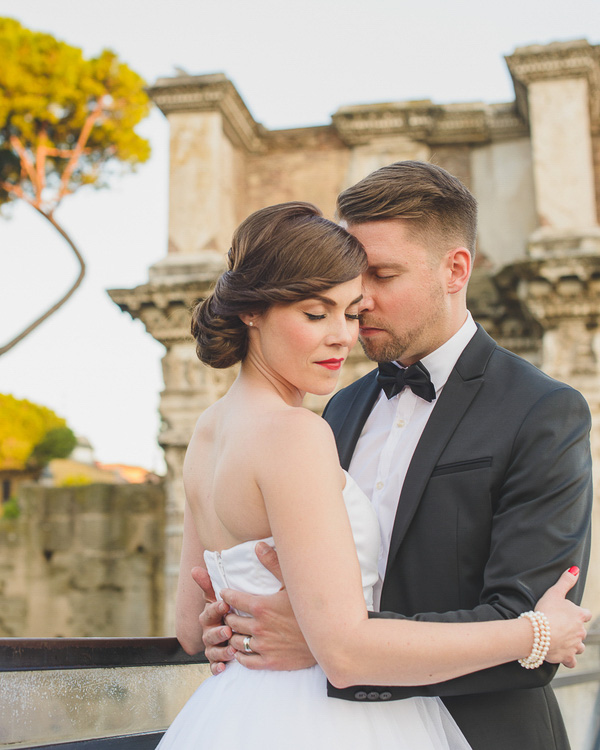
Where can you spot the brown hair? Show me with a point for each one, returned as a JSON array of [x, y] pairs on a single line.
[[280, 254], [441, 207]]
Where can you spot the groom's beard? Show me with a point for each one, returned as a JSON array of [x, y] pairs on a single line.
[[418, 337], [389, 350]]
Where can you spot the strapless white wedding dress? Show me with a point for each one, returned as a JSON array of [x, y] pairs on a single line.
[[264, 710]]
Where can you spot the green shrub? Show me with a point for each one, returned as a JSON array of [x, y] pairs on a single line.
[[10, 509]]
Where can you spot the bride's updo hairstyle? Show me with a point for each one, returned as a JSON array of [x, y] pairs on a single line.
[[279, 255]]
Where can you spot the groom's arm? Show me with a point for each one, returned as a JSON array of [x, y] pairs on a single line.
[[540, 527], [546, 498]]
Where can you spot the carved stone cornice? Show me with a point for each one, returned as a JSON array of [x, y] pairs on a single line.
[[502, 314], [317, 137], [573, 59], [556, 289], [550, 242], [165, 309], [175, 284], [428, 122], [210, 93]]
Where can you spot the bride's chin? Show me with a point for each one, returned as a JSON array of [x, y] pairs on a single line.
[[323, 390]]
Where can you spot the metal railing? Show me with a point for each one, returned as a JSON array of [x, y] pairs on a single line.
[[43, 677], [25, 659]]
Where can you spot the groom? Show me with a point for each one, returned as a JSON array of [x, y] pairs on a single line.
[[481, 478]]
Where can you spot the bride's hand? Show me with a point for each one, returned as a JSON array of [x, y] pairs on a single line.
[[215, 634], [276, 640], [566, 621]]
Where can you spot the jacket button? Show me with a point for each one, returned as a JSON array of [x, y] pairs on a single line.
[[386, 695], [360, 695], [373, 696]]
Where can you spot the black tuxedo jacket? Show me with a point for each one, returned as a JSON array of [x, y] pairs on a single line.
[[495, 506]]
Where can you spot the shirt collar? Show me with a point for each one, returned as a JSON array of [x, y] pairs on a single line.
[[440, 362]]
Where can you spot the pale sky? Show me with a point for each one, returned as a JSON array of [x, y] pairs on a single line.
[[294, 64]]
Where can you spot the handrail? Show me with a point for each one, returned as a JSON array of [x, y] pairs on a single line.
[[26, 655], [38, 654], [30, 654]]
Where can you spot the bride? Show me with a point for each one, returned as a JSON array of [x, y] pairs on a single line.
[[261, 467]]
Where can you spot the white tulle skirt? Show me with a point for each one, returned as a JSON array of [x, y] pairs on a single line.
[[241, 708]]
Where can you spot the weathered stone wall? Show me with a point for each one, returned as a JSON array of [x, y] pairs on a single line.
[[308, 165], [83, 561], [502, 180]]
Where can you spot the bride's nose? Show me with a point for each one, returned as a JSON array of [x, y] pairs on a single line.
[[341, 333]]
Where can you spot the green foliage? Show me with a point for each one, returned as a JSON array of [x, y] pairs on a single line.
[[25, 428], [56, 443], [10, 509], [70, 118]]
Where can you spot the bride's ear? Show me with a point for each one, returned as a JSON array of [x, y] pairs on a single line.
[[248, 319]]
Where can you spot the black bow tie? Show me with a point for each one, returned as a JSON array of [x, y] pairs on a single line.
[[393, 380]]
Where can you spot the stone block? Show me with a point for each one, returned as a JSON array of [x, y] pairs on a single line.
[[101, 532], [93, 572], [144, 535], [11, 532], [13, 614], [31, 499], [57, 534], [94, 498], [59, 501], [132, 573], [140, 498]]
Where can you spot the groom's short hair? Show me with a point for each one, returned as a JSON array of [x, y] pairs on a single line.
[[443, 211]]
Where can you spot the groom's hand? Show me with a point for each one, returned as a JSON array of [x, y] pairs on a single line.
[[215, 634], [275, 638]]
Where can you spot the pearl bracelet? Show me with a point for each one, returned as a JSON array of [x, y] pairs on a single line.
[[541, 639]]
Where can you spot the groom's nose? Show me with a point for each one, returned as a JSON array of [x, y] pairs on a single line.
[[366, 303]]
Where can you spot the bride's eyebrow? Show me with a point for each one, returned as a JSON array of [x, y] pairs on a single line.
[[324, 300], [332, 302]]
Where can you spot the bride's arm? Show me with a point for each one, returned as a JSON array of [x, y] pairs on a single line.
[[299, 477], [190, 597]]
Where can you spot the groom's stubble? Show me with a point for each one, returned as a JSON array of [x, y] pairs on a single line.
[[405, 339]]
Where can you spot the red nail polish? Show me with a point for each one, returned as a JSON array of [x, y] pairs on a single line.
[[574, 571]]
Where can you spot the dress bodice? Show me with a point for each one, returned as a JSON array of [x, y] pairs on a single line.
[[239, 568], [265, 709]]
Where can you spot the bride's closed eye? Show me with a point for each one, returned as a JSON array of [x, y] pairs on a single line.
[[312, 316]]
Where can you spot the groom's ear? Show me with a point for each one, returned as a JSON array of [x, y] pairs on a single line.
[[458, 266]]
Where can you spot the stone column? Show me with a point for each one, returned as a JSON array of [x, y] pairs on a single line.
[[558, 92], [564, 295], [190, 387], [211, 134], [211, 131]]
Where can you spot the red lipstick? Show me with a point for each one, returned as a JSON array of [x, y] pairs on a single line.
[[331, 364]]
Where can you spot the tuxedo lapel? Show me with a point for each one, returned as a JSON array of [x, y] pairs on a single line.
[[348, 416], [461, 388]]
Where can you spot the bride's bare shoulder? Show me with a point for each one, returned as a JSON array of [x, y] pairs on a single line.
[[293, 432], [207, 422], [296, 421]]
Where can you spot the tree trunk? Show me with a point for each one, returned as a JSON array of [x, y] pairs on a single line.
[[13, 342]]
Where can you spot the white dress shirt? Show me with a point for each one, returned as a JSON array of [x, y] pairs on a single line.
[[390, 435]]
